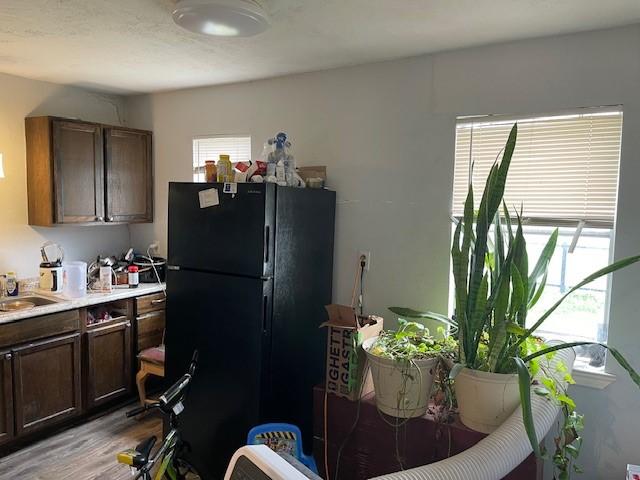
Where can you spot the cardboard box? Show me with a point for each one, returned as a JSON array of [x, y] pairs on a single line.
[[346, 372], [308, 173]]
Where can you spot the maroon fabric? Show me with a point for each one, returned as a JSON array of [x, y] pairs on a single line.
[[371, 449], [153, 354]]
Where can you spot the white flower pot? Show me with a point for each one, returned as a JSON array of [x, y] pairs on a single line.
[[485, 400], [402, 390]]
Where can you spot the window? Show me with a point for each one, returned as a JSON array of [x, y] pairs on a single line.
[[211, 147], [564, 173]]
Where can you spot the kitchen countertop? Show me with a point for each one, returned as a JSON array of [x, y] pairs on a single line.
[[66, 303]]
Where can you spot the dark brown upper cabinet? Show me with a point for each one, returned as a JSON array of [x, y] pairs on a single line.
[[87, 173], [128, 175]]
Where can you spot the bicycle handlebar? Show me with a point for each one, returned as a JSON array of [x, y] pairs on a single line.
[[173, 392], [194, 363]]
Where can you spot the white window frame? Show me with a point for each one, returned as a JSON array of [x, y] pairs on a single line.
[[199, 169], [583, 373]]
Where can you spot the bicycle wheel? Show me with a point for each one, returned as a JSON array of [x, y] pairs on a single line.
[[185, 471]]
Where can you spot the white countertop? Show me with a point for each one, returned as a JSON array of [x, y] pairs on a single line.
[[66, 303]]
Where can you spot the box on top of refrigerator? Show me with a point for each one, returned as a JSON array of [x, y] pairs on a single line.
[[346, 372]]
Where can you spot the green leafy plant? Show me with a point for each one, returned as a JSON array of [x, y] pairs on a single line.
[[496, 285], [553, 378], [406, 346], [411, 341]]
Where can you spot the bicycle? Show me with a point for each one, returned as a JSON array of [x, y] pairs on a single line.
[[170, 456]]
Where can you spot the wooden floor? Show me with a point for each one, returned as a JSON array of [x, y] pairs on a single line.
[[81, 453]]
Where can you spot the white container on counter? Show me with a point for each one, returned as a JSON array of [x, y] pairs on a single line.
[[105, 279], [75, 279]]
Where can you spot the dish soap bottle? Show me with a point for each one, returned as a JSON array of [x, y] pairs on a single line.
[[225, 169]]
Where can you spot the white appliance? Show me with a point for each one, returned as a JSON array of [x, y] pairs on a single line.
[[259, 462], [51, 270], [51, 277]]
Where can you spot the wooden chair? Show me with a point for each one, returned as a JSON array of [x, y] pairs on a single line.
[[151, 363]]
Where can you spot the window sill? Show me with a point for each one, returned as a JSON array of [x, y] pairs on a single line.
[[591, 377]]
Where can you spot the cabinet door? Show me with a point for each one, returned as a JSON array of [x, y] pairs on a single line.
[[6, 398], [150, 329], [109, 363], [129, 178], [78, 172], [47, 382]]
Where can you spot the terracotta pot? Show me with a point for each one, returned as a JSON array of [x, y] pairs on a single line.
[[402, 389], [485, 400]]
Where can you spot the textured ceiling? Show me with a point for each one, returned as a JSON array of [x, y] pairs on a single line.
[[130, 46]]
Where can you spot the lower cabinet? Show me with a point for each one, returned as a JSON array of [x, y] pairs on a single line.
[[6, 398], [46, 377], [56, 367], [108, 362], [150, 329], [150, 320]]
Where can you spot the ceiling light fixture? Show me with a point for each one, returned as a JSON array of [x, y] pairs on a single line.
[[223, 18]]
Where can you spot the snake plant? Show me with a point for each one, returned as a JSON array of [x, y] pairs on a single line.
[[496, 284]]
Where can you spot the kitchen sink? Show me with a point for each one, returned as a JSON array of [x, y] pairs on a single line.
[[25, 302]]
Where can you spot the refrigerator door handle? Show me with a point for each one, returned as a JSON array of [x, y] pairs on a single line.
[[265, 303], [266, 243]]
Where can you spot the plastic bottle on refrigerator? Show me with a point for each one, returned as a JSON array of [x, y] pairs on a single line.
[[225, 170], [267, 157], [280, 159]]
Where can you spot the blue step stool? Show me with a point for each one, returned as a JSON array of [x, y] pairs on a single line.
[[282, 437]]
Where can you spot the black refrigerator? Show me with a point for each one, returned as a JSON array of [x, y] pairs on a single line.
[[249, 274]]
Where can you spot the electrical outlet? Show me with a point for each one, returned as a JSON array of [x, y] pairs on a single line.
[[367, 259]]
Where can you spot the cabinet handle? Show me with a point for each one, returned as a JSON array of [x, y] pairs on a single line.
[[99, 219], [144, 316], [128, 324], [158, 301], [109, 219], [8, 357]]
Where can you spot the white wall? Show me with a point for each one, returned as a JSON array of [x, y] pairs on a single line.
[[386, 133], [379, 144], [20, 243]]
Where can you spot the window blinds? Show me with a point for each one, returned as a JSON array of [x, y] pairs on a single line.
[[564, 168], [210, 148]]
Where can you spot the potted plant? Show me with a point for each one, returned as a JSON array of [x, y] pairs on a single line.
[[496, 285], [403, 363]]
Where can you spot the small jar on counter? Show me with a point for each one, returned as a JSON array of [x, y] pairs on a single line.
[[134, 278], [11, 284]]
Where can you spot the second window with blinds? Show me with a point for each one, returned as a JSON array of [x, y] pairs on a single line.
[[563, 174], [206, 148]]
